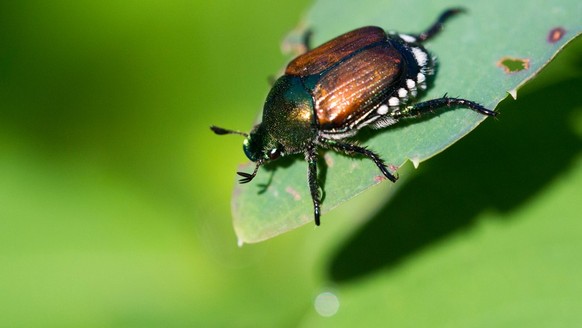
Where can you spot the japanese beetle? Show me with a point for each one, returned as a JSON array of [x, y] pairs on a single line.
[[365, 77]]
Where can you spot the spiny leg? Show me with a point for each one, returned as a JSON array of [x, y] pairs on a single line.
[[350, 149], [440, 103], [311, 158], [438, 25]]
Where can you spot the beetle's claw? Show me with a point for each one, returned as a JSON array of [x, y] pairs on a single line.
[[246, 177], [395, 176]]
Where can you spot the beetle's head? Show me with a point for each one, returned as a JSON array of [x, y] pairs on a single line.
[[259, 147]]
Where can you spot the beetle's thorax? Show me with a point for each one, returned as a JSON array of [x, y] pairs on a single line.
[[288, 116]]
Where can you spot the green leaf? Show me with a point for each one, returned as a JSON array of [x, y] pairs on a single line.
[[483, 55]]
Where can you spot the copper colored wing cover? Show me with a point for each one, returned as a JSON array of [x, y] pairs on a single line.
[[349, 90], [329, 53]]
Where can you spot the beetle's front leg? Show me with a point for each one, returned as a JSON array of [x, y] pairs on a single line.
[[311, 158], [350, 149]]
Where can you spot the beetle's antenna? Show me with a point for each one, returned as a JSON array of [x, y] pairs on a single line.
[[247, 177], [221, 131]]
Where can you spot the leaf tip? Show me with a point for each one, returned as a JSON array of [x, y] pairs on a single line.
[[415, 161], [513, 93]]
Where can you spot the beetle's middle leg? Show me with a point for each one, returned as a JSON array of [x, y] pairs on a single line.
[[351, 149], [311, 158]]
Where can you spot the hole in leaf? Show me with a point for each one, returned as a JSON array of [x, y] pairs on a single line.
[[513, 65]]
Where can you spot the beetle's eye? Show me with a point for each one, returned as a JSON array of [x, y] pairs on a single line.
[[274, 154]]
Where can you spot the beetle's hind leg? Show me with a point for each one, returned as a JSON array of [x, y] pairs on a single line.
[[445, 102], [351, 149], [435, 28]]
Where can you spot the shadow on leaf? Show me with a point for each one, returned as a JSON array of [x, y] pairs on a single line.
[[500, 167]]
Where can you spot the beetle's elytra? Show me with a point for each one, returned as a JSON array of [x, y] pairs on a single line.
[[365, 77]]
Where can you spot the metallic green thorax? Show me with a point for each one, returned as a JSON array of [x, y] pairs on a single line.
[[287, 124]]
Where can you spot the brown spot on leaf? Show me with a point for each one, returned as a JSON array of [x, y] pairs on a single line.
[[556, 34], [328, 160], [293, 193], [379, 178], [513, 65]]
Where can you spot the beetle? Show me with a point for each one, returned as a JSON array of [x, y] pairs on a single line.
[[363, 78]]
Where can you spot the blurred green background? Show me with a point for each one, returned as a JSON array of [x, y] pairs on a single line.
[[115, 196]]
